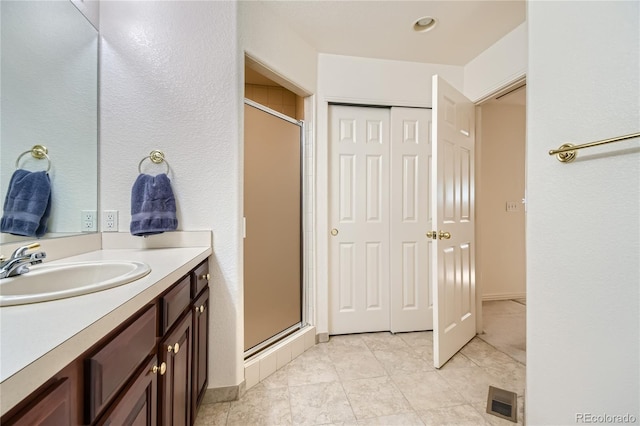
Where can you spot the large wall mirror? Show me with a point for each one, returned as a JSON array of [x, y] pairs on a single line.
[[49, 95]]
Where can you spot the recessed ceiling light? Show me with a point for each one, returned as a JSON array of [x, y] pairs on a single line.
[[425, 23]]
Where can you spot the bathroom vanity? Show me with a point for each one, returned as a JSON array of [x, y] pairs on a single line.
[[135, 354]]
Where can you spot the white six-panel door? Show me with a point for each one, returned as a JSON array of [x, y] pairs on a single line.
[[453, 254], [379, 214], [411, 298], [359, 216]]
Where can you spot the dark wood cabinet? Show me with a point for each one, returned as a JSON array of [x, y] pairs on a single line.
[[111, 366], [175, 385], [200, 370], [151, 370], [138, 404], [52, 407]]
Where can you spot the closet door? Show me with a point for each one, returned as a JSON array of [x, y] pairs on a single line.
[[359, 217], [410, 290]]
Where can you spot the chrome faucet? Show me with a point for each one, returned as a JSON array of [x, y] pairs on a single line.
[[20, 261]]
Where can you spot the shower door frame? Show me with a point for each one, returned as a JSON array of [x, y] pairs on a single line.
[[303, 276]]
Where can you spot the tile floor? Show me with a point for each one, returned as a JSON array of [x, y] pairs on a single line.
[[377, 379]]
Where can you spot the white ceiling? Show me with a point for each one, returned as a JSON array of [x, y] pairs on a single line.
[[384, 29]]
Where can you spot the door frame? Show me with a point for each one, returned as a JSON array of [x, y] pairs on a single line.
[[507, 87]]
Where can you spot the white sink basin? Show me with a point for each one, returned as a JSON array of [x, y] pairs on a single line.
[[61, 280]]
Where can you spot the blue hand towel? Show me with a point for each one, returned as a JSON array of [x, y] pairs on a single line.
[[153, 206], [27, 204]]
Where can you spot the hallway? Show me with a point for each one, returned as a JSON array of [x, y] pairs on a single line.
[[377, 378]]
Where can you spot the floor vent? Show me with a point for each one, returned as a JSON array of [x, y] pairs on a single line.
[[502, 403]]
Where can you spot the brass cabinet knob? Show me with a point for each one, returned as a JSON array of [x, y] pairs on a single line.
[[199, 309], [444, 235], [162, 369], [175, 348], [334, 232], [205, 277]]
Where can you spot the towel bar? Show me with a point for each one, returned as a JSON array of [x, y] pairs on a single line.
[[566, 153]]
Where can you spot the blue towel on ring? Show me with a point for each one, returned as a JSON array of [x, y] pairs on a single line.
[[153, 206], [28, 204]]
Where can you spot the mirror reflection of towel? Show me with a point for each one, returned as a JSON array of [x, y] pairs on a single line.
[[27, 204], [153, 206]]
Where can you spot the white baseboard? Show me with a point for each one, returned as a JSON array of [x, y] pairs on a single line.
[[503, 296]]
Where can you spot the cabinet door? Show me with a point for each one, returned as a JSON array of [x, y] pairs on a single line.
[[175, 385], [137, 404], [52, 408], [200, 350]]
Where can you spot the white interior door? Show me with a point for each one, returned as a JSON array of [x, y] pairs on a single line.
[[411, 295], [453, 246], [359, 215]]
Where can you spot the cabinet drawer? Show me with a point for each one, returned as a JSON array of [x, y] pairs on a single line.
[[114, 363], [174, 302], [200, 278]]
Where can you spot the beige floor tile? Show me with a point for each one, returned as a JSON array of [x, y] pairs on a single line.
[[511, 376], [261, 406], [313, 366], [321, 403], [213, 414], [472, 382], [408, 419], [357, 365], [418, 338], [458, 361], [375, 397], [483, 354], [403, 361], [427, 390], [384, 341], [460, 415], [384, 379]]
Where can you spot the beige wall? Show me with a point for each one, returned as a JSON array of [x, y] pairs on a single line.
[[277, 98], [501, 234]]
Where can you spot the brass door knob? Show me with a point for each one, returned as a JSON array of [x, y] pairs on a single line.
[[431, 234], [162, 369], [334, 232], [444, 235]]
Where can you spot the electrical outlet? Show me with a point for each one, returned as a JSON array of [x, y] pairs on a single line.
[[88, 220], [110, 221]]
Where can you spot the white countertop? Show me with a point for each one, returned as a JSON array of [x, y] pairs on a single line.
[[38, 340]]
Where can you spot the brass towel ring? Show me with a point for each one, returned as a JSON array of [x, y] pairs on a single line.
[[156, 157], [38, 152]]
